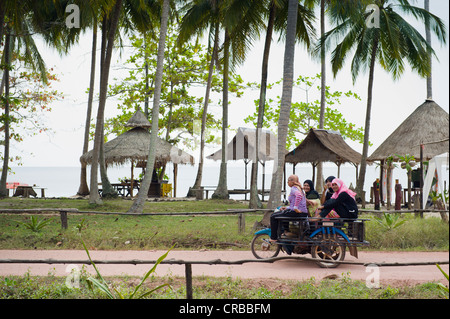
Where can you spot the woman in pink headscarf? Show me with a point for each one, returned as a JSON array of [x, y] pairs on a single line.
[[342, 202]]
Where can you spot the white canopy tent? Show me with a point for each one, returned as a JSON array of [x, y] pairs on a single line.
[[436, 164]]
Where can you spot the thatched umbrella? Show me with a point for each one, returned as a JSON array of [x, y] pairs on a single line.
[[243, 147], [133, 146], [424, 134], [323, 146]]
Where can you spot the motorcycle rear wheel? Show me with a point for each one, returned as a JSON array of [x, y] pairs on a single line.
[[330, 249], [262, 248]]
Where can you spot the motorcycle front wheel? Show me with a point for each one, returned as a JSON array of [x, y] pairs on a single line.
[[262, 248]]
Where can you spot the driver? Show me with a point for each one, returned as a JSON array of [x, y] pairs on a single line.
[[297, 206]]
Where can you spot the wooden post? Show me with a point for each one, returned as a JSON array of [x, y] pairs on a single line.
[[241, 223], [132, 179], [188, 273], [263, 180], [376, 194], [63, 219], [175, 173], [398, 195], [421, 203]]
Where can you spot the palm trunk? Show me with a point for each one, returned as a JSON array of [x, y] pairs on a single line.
[[3, 189], [254, 199], [428, 38], [388, 186], [83, 188], [222, 188], [285, 107], [198, 179], [138, 204], [319, 176], [363, 164], [94, 197]]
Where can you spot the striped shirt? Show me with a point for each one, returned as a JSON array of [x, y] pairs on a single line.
[[297, 200]]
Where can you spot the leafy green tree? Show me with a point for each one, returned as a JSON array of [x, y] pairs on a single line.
[[391, 43], [184, 69], [305, 115]]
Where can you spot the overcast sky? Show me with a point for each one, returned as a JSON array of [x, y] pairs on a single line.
[[393, 101]]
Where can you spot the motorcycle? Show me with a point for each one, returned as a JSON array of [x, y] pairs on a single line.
[[325, 239]]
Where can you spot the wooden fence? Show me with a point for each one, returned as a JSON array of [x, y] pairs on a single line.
[[188, 264]]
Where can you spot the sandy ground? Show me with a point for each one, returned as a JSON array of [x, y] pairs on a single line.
[[284, 269]]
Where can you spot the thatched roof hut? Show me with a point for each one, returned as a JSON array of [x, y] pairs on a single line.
[[323, 146], [427, 125], [243, 146], [133, 145]]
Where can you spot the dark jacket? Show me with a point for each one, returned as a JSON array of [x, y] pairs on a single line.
[[344, 205]]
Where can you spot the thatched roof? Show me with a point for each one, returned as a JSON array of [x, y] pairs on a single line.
[[323, 146], [243, 146], [134, 145], [138, 120], [427, 125]]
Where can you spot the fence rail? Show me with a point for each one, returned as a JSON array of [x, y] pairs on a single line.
[[65, 211], [240, 212]]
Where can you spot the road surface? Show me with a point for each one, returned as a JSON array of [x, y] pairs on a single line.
[[283, 269]]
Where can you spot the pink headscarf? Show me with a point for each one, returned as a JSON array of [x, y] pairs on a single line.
[[342, 188]]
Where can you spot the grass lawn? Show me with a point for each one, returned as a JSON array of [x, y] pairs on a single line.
[[118, 232]]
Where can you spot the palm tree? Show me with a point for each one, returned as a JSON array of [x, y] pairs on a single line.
[[138, 204], [83, 188], [109, 27], [198, 17], [390, 44], [202, 15], [285, 107], [277, 16], [18, 28], [135, 17], [242, 21], [222, 188]]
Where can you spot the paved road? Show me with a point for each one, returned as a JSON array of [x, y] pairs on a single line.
[[284, 269]]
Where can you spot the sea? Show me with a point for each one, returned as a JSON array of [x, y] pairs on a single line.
[[65, 181]]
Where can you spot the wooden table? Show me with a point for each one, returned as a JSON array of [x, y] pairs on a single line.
[[124, 189], [25, 191]]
